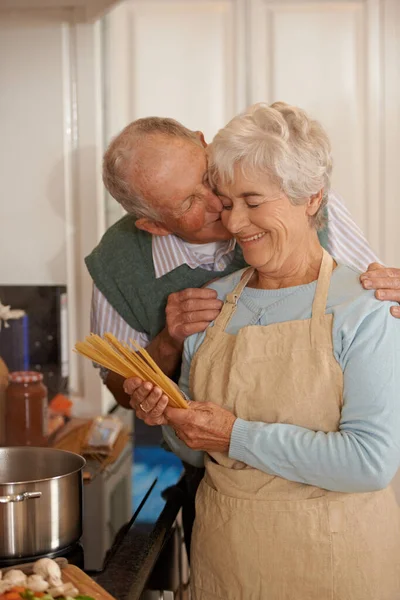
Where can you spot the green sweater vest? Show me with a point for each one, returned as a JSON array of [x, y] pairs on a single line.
[[121, 267]]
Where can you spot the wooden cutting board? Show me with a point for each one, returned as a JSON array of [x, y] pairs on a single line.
[[85, 584]]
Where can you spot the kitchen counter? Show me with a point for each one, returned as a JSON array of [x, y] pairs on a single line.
[[131, 561]]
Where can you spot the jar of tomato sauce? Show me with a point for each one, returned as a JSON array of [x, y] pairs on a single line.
[[26, 409]]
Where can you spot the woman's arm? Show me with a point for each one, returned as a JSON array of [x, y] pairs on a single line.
[[365, 453]]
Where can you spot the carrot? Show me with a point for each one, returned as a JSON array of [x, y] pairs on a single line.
[[39, 594], [2, 597], [19, 589], [12, 596]]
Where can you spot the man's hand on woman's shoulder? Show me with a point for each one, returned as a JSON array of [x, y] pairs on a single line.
[[386, 282], [190, 311]]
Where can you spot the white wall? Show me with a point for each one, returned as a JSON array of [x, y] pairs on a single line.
[[33, 134]]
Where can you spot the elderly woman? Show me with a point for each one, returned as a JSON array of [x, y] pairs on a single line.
[[296, 390]]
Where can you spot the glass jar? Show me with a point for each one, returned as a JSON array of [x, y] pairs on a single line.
[[26, 409]]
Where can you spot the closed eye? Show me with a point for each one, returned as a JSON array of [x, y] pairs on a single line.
[[188, 203]]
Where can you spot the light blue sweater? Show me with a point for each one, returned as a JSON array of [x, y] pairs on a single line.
[[365, 453]]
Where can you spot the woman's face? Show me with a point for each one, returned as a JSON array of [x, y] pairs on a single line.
[[271, 231]]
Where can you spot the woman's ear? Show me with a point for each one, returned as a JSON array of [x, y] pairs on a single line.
[[152, 227], [314, 202]]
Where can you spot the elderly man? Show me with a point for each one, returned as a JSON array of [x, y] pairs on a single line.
[[149, 268]]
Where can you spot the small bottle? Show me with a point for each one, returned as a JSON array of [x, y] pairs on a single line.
[[26, 409]]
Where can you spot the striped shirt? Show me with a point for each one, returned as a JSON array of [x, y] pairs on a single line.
[[346, 243]]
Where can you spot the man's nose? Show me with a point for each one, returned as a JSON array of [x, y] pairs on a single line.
[[214, 204]]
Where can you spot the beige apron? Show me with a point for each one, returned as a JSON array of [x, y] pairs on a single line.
[[261, 537]]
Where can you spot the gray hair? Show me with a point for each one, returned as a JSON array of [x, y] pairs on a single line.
[[119, 155], [281, 140]]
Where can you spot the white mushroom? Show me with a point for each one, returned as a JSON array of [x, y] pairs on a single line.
[[56, 591], [49, 570], [73, 592], [36, 583], [5, 586], [66, 589], [15, 576]]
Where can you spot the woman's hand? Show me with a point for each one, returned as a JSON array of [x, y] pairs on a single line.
[[202, 426], [148, 401]]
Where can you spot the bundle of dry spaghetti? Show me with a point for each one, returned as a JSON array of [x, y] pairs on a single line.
[[119, 357]]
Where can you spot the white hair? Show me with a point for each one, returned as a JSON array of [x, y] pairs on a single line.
[[280, 140], [118, 159]]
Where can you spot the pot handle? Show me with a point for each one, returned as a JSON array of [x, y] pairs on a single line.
[[19, 497]]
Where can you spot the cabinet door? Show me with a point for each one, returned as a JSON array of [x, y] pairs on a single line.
[[336, 60], [179, 59]]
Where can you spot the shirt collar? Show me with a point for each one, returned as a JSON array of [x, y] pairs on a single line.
[[170, 252]]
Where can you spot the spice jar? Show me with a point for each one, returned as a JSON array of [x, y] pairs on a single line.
[[26, 409]]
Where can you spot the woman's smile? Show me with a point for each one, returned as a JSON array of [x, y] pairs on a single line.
[[251, 239]]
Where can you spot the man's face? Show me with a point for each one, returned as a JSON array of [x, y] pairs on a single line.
[[171, 174]]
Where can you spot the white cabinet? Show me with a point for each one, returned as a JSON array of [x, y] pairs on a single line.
[[88, 9], [181, 59], [339, 61]]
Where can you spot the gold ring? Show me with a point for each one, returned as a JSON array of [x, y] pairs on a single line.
[[141, 407]]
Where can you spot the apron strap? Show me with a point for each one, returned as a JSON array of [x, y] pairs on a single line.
[[231, 301], [319, 303], [323, 283]]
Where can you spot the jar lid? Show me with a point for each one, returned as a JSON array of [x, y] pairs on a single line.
[[25, 377]]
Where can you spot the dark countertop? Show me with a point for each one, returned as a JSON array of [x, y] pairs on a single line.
[[132, 559]]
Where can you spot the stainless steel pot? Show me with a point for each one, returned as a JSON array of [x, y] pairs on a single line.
[[40, 500]]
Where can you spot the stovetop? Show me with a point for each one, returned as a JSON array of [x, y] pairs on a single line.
[[74, 554]]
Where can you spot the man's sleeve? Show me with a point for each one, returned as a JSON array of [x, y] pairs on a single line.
[[104, 318], [346, 242]]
